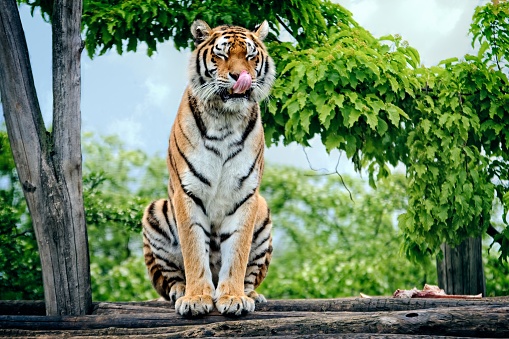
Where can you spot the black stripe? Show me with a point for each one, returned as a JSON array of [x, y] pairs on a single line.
[[259, 72], [207, 233], [172, 226], [261, 229], [251, 168], [259, 256], [156, 275], [169, 270], [267, 67], [193, 106], [168, 263], [204, 57], [173, 266], [150, 260], [165, 213], [250, 126], [196, 200], [225, 236], [253, 264], [214, 245], [198, 58], [261, 243], [220, 138], [155, 246], [241, 203], [184, 134], [213, 150], [154, 222], [196, 115], [190, 165], [172, 163], [174, 280], [234, 154]]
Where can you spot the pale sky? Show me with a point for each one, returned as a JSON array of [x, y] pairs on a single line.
[[136, 96]]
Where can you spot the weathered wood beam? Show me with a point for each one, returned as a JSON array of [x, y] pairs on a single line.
[[468, 321], [377, 304]]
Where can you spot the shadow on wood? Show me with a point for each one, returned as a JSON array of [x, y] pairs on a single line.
[[350, 317]]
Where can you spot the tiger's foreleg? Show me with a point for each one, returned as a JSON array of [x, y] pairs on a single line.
[[236, 233], [261, 252], [161, 249], [195, 228]]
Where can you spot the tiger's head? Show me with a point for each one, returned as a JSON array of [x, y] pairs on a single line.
[[230, 67]]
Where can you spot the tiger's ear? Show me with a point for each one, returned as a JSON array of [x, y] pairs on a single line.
[[200, 31], [262, 30]]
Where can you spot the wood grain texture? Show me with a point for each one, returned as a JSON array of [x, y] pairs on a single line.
[[461, 270], [49, 165], [283, 318]]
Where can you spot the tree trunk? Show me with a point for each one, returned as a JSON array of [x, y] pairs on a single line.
[[461, 270], [49, 167]]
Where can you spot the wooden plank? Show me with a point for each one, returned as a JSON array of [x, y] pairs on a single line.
[[318, 305], [303, 305], [157, 333], [468, 321]]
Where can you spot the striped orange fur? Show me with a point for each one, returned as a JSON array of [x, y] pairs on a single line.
[[209, 243]]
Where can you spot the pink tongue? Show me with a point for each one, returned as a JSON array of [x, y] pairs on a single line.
[[243, 83]]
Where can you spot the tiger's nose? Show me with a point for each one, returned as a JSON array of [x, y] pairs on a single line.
[[235, 76]]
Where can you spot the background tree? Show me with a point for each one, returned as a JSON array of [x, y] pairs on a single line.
[[337, 242], [49, 163]]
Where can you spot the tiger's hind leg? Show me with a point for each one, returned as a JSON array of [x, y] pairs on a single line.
[[161, 248], [260, 254]]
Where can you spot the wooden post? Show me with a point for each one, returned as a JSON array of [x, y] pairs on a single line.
[[461, 270], [49, 166]]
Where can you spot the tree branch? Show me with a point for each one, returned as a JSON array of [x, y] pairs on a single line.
[[493, 233], [280, 20]]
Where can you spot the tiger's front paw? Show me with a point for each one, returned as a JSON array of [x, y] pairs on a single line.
[[258, 298], [177, 291], [194, 305], [235, 305]]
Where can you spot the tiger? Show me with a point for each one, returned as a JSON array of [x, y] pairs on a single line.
[[209, 244]]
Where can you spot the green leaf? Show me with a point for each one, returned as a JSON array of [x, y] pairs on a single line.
[[382, 126], [395, 113], [353, 116], [426, 125], [448, 61], [371, 119]]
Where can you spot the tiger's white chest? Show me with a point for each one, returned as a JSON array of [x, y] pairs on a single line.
[[225, 158]]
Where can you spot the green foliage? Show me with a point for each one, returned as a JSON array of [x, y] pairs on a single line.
[[458, 155], [20, 272], [123, 25], [490, 28], [118, 183], [125, 281], [497, 275], [349, 89], [327, 245]]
